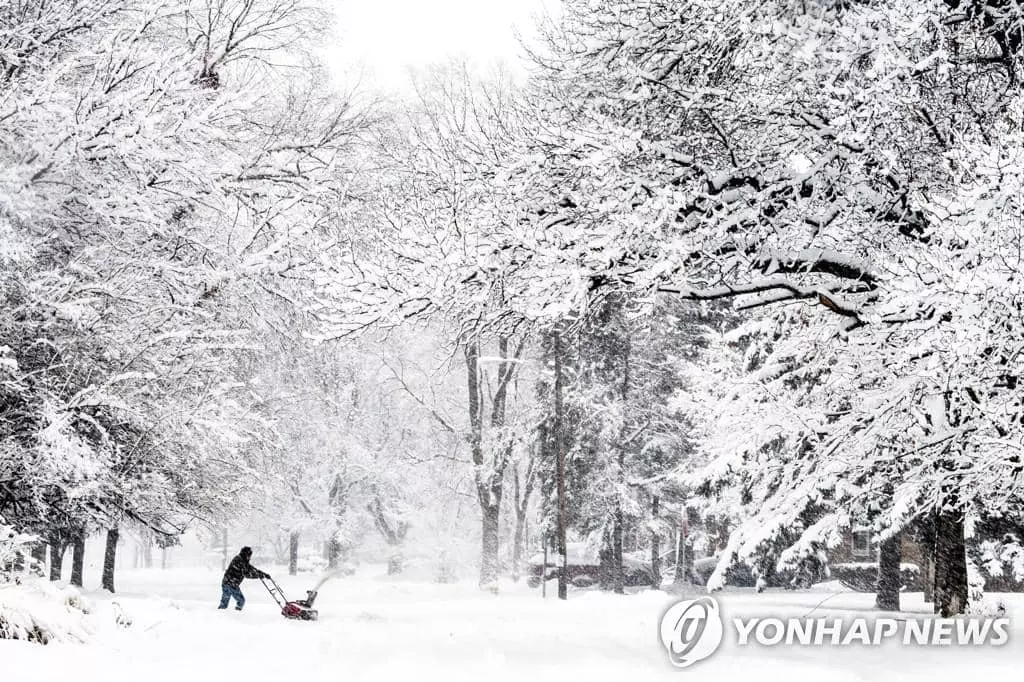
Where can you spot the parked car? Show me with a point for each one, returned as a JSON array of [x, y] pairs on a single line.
[[584, 567]]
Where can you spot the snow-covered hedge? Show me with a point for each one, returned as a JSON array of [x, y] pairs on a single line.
[[863, 576], [36, 610], [39, 611]]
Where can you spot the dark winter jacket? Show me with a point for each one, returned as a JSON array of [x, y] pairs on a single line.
[[240, 568]]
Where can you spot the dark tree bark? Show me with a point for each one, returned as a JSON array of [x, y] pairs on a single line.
[[928, 577], [57, 548], [618, 571], [109, 559], [619, 520], [926, 540], [559, 443], [77, 559], [950, 564], [887, 594], [655, 544], [293, 553]]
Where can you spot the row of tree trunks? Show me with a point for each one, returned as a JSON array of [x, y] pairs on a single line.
[[58, 547], [943, 570]]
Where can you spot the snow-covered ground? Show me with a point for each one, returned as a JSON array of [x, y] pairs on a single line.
[[378, 629]]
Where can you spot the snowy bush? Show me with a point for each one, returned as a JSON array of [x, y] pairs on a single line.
[[15, 552], [1002, 563], [41, 612], [737, 575], [863, 576], [978, 604]]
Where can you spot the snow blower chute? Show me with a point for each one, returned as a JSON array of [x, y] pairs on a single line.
[[300, 609]]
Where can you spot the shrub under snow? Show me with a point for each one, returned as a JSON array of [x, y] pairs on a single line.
[[39, 611], [36, 610]]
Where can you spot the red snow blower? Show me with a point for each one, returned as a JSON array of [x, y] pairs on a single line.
[[300, 609]]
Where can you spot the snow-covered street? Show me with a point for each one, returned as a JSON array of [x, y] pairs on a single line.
[[377, 629]]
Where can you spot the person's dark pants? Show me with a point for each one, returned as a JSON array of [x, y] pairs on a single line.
[[227, 593]]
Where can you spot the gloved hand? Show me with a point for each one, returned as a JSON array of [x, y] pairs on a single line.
[[264, 575]]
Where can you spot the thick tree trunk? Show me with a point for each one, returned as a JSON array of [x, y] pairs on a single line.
[[926, 534], [655, 544], [618, 571], [950, 564], [887, 594], [77, 559], [293, 553], [109, 559], [563, 513], [57, 547], [489, 544]]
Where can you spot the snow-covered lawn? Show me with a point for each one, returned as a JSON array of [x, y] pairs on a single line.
[[380, 630]]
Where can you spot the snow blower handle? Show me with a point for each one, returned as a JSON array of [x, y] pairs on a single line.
[[274, 589]]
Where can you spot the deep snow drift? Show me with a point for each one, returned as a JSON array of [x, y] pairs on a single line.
[[378, 629]]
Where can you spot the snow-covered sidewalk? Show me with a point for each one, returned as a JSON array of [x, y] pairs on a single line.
[[376, 629]]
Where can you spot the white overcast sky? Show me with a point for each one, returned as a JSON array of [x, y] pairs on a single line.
[[382, 39]]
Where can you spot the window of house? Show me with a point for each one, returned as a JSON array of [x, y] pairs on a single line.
[[862, 544]]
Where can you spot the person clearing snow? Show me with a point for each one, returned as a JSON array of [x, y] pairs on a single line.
[[238, 570]]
